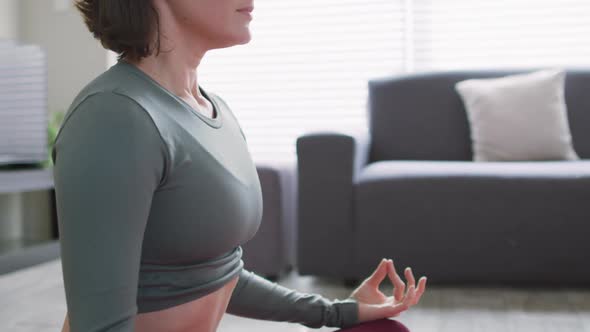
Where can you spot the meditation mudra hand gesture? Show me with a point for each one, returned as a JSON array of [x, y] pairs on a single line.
[[373, 304]]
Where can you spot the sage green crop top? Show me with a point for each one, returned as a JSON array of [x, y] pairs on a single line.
[[154, 201]]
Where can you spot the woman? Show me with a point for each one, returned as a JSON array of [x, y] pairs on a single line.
[[156, 190]]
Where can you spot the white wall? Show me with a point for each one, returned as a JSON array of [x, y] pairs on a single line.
[[74, 56], [8, 19]]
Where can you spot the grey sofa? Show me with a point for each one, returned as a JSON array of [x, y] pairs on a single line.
[[407, 189]]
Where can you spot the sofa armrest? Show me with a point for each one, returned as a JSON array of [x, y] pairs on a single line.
[[328, 165], [361, 153]]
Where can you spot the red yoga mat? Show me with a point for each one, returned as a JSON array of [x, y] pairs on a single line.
[[379, 325]]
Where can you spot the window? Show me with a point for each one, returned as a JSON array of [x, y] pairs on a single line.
[[308, 63], [306, 68], [456, 34]]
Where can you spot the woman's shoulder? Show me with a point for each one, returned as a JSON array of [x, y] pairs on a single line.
[[113, 83], [111, 114], [108, 108], [115, 95], [107, 121]]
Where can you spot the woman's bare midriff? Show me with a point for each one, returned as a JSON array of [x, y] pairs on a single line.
[[200, 315]]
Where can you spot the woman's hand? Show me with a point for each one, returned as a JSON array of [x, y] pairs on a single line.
[[373, 304]]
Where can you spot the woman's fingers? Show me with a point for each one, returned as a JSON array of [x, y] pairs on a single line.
[[378, 275], [410, 277], [410, 296], [420, 290], [398, 284], [402, 306]]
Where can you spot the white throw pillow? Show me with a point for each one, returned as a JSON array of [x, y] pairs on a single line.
[[518, 117]]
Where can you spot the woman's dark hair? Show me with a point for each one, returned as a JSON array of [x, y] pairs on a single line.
[[126, 27]]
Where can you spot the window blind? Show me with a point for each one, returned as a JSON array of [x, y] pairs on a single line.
[[456, 34], [306, 69]]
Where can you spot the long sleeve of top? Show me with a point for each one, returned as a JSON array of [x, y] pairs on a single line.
[[256, 297], [153, 204], [108, 162]]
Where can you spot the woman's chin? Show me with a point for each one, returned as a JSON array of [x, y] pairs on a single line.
[[245, 40], [243, 37], [240, 38]]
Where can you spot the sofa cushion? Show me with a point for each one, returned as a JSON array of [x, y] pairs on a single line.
[[518, 117], [408, 169], [488, 222]]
